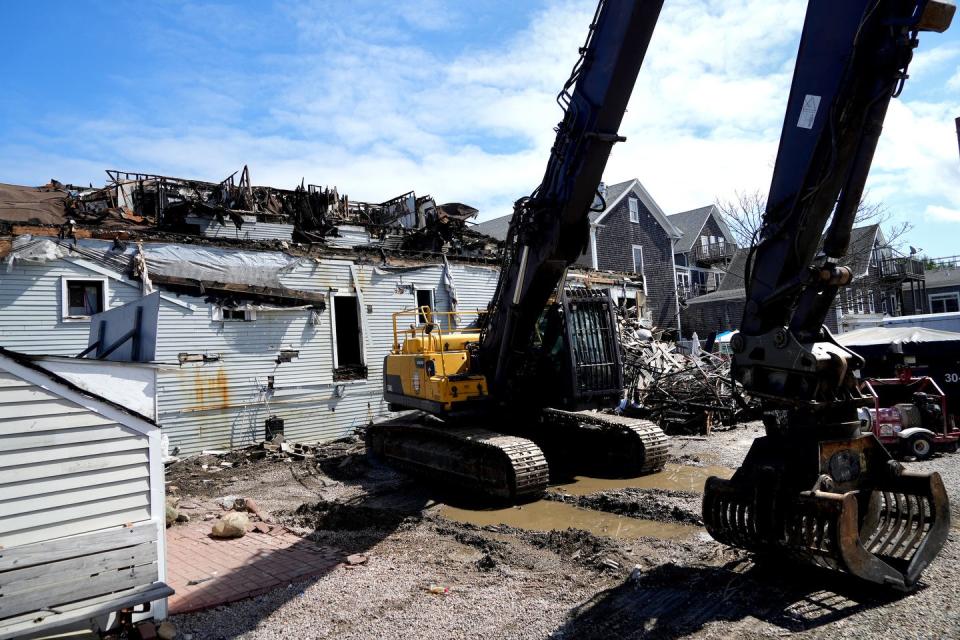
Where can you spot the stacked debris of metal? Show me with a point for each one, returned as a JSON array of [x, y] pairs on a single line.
[[682, 393]]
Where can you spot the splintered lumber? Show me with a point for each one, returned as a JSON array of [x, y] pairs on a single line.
[[682, 393]]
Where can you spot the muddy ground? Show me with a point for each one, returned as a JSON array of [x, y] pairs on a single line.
[[594, 559]]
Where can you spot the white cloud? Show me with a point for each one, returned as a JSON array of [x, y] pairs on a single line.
[[383, 113], [943, 213]]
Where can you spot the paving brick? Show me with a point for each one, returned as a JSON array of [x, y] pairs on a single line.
[[240, 568]]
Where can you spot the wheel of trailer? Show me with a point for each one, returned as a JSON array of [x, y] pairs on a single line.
[[919, 446]]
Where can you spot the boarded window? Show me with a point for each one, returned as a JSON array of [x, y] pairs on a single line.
[[84, 297], [348, 335], [634, 205]]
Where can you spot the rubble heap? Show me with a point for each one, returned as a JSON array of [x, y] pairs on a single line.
[[682, 393]]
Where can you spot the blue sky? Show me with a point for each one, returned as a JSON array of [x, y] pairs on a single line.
[[449, 98]]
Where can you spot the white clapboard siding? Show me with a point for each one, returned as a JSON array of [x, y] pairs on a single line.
[[222, 404], [62, 481]]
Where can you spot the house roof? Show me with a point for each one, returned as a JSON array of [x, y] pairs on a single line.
[[616, 193], [495, 227], [498, 227], [860, 252], [690, 223], [29, 367], [941, 278]]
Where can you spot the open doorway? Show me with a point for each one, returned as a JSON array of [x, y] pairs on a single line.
[[424, 299], [348, 335]]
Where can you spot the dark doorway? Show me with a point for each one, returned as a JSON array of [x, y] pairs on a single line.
[[347, 330]]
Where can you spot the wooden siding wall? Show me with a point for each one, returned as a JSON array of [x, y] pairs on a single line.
[[30, 319], [615, 240], [223, 404], [64, 469]]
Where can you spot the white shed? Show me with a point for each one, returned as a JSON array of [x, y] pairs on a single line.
[[81, 493]]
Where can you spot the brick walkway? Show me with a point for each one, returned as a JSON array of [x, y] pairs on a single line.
[[231, 570]]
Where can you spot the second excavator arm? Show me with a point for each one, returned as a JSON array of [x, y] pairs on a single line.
[[815, 487]]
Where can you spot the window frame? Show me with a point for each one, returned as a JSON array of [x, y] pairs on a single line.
[[333, 330], [640, 271], [433, 299], [943, 297], [633, 207], [65, 281]]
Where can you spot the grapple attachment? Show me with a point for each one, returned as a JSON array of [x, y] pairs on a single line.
[[862, 514]]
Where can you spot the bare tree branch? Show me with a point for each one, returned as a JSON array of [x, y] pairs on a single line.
[[744, 217]]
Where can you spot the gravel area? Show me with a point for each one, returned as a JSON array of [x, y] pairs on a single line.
[[430, 577]]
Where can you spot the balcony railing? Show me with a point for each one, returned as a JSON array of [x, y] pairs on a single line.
[[901, 269], [714, 252], [686, 292]]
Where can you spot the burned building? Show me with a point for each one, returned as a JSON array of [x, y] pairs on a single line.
[[262, 315]]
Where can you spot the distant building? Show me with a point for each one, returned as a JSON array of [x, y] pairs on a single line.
[[883, 284], [941, 291], [630, 235], [703, 251]]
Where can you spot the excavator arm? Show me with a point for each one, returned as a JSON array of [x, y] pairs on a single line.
[[815, 487], [550, 228]]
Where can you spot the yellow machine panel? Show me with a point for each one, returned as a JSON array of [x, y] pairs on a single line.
[[430, 368]]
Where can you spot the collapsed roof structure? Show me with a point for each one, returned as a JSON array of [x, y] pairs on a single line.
[[234, 209]]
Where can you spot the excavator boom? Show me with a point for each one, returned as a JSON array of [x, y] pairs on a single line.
[[815, 487]]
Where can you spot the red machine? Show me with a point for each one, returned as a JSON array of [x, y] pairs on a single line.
[[909, 416]]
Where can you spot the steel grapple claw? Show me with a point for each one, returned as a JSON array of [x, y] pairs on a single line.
[[873, 521]]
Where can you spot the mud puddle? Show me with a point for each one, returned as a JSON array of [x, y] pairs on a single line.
[[547, 516], [674, 477]]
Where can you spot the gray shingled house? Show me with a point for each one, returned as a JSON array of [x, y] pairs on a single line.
[[631, 235], [877, 288], [703, 252]]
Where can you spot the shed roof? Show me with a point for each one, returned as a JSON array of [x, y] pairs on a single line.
[[31, 368], [941, 278]]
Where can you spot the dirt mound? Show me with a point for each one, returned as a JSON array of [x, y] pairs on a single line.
[[340, 516], [650, 504], [584, 548]]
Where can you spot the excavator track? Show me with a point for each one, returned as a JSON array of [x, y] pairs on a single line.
[[604, 442], [467, 458]]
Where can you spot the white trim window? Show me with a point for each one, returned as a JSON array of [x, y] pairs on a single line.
[[944, 302], [637, 251], [81, 298], [634, 206]]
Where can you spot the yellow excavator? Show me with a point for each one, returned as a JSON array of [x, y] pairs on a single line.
[[501, 397]]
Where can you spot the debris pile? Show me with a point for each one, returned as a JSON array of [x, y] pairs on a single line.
[[235, 209], [682, 393]]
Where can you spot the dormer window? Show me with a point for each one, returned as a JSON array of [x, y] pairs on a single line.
[[634, 205]]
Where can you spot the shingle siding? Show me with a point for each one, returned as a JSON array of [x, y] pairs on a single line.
[[725, 315], [615, 239]]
